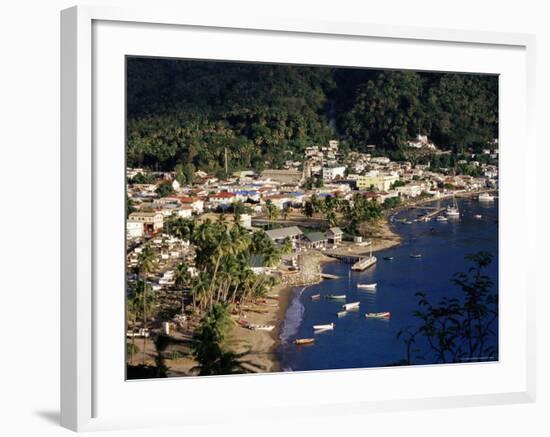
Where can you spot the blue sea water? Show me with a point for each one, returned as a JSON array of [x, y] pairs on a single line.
[[357, 342]]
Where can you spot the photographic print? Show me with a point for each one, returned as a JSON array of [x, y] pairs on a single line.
[[286, 218]]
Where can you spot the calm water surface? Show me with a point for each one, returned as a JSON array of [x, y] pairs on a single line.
[[360, 342]]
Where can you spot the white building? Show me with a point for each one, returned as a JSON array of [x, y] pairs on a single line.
[[184, 211], [381, 160], [246, 221], [411, 190], [151, 221], [134, 229], [331, 173]]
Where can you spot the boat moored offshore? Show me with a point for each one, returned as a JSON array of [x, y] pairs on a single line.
[[368, 286], [380, 315], [326, 327], [486, 197], [351, 305]]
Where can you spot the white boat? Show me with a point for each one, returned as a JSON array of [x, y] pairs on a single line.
[[364, 263], [367, 286], [381, 315], [441, 218], [452, 210], [324, 327], [478, 216], [351, 305], [341, 313], [262, 327], [485, 197]]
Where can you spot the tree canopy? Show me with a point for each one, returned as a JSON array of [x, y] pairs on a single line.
[[193, 113]]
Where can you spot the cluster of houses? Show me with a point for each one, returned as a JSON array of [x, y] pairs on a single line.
[[376, 178]]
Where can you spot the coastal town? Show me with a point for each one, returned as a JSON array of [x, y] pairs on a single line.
[[243, 238]]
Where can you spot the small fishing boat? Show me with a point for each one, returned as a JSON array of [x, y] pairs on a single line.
[[336, 296], [381, 315], [388, 258], [261, 327], [351, 305], [367, 286], [315, 296], [329, 276], [441, 218], [478, 216], [303, 341], [416, 255], [341, 313], [324, 327]]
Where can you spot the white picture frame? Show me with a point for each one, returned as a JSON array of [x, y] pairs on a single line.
[[89, 398]]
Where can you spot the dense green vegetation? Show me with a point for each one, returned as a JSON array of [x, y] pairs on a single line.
[[192, 113]]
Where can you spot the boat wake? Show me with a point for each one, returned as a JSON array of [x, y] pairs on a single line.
[[293, 317]]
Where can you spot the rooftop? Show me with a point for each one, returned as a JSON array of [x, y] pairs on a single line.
[[315, 237], [277, 234]]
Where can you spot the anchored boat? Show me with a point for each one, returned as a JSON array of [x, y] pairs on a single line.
[[336, 296], [351, 305], [303, 341], [368, 286], [323, 327], [452, 210], [381, 315], [485, 197]]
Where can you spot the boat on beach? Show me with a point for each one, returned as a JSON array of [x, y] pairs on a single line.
[[380, 315], [351, 305], [304, 341], [261, 327], [326, 327], [335, 296], [368, 286]]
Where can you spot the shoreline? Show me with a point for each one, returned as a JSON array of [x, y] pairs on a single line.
[[260, 348], [384, 238]]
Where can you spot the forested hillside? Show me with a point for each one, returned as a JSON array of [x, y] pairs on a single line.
[[190, 111]]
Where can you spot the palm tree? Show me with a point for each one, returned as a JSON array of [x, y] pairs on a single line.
[[210, 347], [147, 263], [181, 228], [182, 277], [271, 210], [132, 309]]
